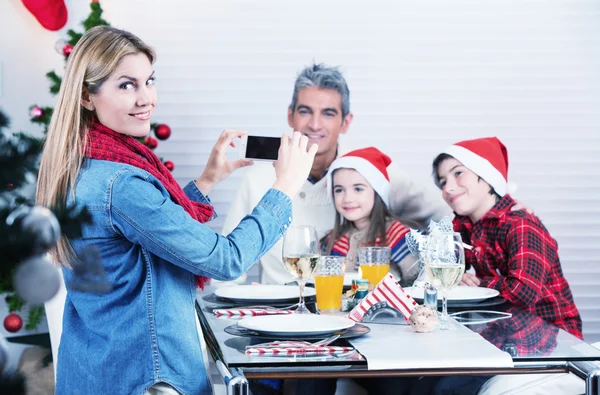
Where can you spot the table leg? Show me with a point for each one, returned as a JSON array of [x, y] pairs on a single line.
[[590, 373], [235, 381], [592, 383]]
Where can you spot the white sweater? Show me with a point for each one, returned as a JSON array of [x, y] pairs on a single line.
[[412, 204]]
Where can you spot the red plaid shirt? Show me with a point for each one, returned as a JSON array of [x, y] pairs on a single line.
[[522, 334], [514, 254]]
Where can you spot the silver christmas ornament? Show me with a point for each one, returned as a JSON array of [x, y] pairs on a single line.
[[36, 280], [43, 225]]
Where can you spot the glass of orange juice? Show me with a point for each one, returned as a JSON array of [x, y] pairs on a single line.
[[329, 282], [374, 263]]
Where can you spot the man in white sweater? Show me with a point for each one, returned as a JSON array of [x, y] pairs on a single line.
[[320, 109]]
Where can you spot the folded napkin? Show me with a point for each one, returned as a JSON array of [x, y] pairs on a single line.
[[304, 351], [250, 312], [387, 290]]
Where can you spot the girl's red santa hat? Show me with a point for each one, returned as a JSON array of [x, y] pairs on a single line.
[[488, 158], [370, 163]]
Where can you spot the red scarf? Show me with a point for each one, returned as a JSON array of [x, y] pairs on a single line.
[[106, 144]]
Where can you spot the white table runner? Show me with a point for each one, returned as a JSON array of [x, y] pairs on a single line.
[[400, 347]]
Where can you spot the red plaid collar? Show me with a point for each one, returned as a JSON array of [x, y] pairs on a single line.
[[500, 209]]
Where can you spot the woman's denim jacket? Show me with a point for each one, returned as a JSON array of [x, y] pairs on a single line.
[[144, 330]]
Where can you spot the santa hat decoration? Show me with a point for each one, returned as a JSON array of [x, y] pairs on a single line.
[[488, 158], [51, 14], [370, 163]]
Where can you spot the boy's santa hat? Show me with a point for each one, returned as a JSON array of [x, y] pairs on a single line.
[[488, 158], [370, 163]]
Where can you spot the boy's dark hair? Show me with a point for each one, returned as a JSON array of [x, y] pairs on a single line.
[[436, 178], [377, 228]]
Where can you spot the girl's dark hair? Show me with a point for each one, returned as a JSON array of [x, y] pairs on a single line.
[[436, 178], [379, 215]]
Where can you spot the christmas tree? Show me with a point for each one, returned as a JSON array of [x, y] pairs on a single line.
[[28, 231]]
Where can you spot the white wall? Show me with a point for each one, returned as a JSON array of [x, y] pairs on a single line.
[[422, 75]]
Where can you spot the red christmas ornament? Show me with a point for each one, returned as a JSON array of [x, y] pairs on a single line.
[[151, 142], [170, 165], [162, 131], [51, 14], [36, 112], [67, 49], [13, 323]]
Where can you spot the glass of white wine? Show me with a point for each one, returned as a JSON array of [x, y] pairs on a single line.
[[445, 266], [301, 254]]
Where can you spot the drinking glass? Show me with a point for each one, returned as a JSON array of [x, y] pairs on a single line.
[[374, 263], [444, 267], [329, 283], [301, 257]]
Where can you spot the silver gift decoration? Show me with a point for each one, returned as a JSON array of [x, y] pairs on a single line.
[[431, 245]]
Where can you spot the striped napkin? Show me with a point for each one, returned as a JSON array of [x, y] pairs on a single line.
[[250, 312], [304, 351], [390, 291]]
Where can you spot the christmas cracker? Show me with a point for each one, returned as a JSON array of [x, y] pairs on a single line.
[[387, 290], [304, 351], [250, 312]]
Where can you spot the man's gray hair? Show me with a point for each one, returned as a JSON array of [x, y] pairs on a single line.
[[323, 77]]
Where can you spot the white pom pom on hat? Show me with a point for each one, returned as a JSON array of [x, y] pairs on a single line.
[[370, 163], [488, 158]]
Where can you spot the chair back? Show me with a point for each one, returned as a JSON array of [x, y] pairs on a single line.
[[54, 316]]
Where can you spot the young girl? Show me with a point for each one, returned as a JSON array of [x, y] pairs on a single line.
[[148, 231], [359, 184]]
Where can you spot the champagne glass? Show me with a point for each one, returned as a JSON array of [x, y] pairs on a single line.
[[300, 257], [445, 266]]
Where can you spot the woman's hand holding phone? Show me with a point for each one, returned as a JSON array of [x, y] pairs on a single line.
[[218, 167], [293, 163]]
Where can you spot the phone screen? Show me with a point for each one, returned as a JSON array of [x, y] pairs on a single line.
[[260, 147]]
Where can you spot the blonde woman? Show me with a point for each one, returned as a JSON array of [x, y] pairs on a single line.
[[141, 337]]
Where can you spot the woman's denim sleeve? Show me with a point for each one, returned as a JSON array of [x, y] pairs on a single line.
[[193, 193], [142, 211]]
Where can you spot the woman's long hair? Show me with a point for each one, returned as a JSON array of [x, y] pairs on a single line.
[[377, 227], [90, 64]]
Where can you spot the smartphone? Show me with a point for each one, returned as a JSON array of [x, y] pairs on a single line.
[[260, 147]]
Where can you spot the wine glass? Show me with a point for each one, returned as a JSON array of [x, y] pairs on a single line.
[[445, 266], [300, 257]]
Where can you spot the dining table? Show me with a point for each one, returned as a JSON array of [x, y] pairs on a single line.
[[505, 339]]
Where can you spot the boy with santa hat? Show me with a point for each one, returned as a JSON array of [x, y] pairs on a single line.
[[513, 251]]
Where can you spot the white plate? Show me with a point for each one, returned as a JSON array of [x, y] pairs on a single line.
[[296, 324], [263, 293], [462, 293]]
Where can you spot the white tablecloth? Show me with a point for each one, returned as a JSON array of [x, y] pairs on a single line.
[[400, 347]]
